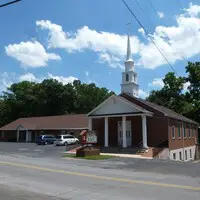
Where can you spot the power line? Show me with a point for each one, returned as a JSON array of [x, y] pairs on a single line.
[[143, 10], [183, 57], [152, 6], [140, 5], [149, 37], [157, 14], [6, 4]]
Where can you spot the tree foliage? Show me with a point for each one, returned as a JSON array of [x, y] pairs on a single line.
[[50, 97], [174, 95]]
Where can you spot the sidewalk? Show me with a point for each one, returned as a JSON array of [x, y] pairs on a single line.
[[125, 155], [113, 154]]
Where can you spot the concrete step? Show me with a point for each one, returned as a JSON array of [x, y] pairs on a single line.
[[128, 150]]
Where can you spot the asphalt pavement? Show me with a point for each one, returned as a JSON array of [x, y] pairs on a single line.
[[28, 171]]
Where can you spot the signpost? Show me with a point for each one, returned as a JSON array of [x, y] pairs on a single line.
[[88, 138], [91, 137]]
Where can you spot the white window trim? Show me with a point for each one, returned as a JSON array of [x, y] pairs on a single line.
[[189, 129], [174, 156], [184, 131], [190, 153], [186, 155], [193, 131], [180, 155], [173, 136], [179, 126]]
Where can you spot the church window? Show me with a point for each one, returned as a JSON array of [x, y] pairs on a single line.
[[127, 78], [134, 78]]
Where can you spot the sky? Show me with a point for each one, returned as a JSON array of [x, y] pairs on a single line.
[[86, 40]]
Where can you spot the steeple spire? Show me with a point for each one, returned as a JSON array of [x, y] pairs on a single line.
[[129, 76], [128, 56]]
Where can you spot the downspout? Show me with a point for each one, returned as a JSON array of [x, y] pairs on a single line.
[[168, 130], [183, 141]]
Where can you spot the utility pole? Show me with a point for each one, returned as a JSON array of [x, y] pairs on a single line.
[[11, 2]]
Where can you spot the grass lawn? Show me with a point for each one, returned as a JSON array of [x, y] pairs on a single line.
[[99, 157]]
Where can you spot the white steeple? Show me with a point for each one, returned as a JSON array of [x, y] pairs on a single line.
[[128, 55], [129, 77]]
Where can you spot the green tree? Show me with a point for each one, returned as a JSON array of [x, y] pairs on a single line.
[[193, 94], [170, 95], [88, 96], [173, 96], [26, 99]]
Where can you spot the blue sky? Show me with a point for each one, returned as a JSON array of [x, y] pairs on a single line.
[[86, 40]]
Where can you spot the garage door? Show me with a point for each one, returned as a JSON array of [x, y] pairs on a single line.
[[22, 136]]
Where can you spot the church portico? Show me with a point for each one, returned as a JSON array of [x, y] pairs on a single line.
[[124, 131], [119, 123]]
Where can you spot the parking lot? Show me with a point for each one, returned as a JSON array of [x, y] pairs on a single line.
[[33, 150]]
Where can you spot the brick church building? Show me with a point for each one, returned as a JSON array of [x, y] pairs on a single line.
[[128, 121]]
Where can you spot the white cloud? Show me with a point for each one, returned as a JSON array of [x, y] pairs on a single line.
[[110, 47], [141, 30], [85, 38], [176, 42], [6, 79], [157, 82], [30, 54], [28, 77], [143, 94], [161, 15], [110, 60], [193, 10], [62, 79]]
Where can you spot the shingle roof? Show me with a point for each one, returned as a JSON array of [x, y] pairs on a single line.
[[168, 112], [79, 121]]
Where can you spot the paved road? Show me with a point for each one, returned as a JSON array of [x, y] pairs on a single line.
[[50, 176]]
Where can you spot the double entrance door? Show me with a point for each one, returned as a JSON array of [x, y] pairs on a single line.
[[128, 133]]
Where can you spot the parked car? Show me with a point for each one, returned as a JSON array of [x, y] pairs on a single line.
[[65, 140], [45, 139]]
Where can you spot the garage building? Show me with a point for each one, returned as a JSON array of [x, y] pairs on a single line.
[[27, 129]]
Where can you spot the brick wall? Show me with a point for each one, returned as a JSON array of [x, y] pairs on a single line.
[[177, 143]]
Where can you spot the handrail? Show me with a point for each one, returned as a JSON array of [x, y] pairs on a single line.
[[162, 149], [140, 143]]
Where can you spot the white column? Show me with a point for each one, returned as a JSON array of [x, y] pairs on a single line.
[[144, 131], [106, 132], [124, 131], [90, 124], [17, 135]]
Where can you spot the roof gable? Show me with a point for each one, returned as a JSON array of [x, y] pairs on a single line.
[[166, 111], [115, 105]]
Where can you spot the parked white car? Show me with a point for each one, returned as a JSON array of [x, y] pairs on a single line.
[[65, 140]]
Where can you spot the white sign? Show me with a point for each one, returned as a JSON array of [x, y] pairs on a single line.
[[91, 138]]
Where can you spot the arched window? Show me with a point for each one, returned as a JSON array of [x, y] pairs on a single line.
[[127, 78], [134, 76]]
